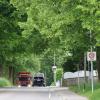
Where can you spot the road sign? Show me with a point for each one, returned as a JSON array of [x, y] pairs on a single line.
[[54, 68], [91, 56]]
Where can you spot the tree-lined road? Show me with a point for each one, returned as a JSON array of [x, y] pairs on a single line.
[[38, 93]]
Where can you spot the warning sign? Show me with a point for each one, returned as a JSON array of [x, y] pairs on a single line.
[[91, 56]]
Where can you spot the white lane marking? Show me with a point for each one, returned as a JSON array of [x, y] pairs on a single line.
[[49, 96], [60, 96]]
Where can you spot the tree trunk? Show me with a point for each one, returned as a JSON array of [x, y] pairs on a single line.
[[11, 74], [1, 70], [98, 62]]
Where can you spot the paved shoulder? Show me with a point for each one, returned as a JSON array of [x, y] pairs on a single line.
[[66, 94]]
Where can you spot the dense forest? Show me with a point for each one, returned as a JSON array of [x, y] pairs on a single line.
[[32, 31]]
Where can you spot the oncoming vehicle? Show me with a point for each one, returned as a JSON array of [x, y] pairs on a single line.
[[24, 79], [38, 79]]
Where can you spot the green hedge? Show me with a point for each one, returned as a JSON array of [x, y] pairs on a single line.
[[4, 82]]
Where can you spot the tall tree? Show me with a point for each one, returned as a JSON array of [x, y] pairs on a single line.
[[60, 25], [9, 30]]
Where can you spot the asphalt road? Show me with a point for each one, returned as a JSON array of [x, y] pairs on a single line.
[[38, 93]]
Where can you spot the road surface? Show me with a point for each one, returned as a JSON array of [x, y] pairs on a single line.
[[38, 93]]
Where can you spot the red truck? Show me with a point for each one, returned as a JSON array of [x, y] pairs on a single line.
[[24, 79]]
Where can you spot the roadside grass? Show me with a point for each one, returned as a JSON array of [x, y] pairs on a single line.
[[86, 91], [4, 82]]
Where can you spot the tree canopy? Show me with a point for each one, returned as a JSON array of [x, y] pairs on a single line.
[[32, 30]]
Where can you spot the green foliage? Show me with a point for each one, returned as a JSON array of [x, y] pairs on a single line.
[[26, 62], [96, 95], [69, 66], [47, 70], [4, 82], [9, 29], [59, 73], [60, 26], [40, 28]]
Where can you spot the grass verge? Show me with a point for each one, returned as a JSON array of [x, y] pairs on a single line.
[[86, 91], [4, 82]]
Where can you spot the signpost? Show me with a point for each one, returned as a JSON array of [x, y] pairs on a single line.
[[91, 56]]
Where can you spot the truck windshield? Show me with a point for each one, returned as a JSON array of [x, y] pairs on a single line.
[[23, 78]]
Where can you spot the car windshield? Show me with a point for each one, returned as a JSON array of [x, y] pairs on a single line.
[[38, 77]]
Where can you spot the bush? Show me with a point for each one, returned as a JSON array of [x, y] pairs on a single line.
[[59, 73], [4, 82]]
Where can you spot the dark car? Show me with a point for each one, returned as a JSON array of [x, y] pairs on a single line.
[[38, 80]]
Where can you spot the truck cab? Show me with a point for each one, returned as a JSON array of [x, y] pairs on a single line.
[[24, 79]]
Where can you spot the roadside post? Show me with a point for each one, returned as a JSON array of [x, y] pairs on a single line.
[[54, 72], [91, 56], [78, 80]]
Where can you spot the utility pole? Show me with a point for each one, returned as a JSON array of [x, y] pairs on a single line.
[[92, 83], [89, 74], [91, 56], [45, 78], [54, 69], [78, 80], [84, 71]]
